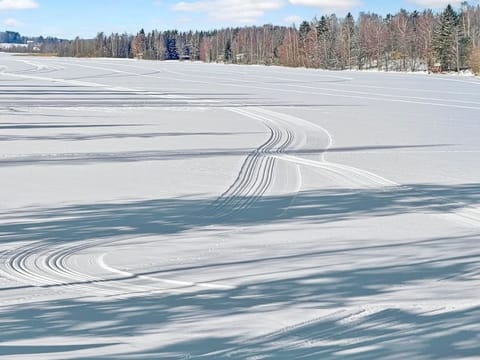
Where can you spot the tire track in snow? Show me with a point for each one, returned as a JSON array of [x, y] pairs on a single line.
[[104, 265], [256, 174], [330, 92], [37, 265], [355, 176], [44, 266], [363, 178], [40, 68]]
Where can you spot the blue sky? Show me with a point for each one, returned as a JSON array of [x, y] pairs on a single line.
[[69, 18]]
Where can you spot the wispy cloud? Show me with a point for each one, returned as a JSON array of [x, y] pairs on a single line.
[[436, 3], [18, 5], [239, 11], [293, 19], [327, 4], [12, 23]]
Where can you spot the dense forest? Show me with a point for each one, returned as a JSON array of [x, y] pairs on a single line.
[[405, 41]]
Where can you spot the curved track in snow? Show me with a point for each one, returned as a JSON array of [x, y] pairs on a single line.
[[282, 255], [44, 264]]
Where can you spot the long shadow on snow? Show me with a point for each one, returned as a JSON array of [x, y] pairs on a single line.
[[12, 126], [136, 156], [171, 216], [388, 333], [143, 102], [131, 135]]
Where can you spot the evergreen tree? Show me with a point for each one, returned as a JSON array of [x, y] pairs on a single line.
[[322, 26], [171, 51], [399, 41], [228, 51], [445, 42], [304, 29], [11, 37]]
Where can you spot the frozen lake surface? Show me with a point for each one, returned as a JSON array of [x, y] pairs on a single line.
[[172, 210]]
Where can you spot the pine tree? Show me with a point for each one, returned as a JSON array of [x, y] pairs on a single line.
[[323, 41], [304, 29], [171, 49], [445, 39], [228, 51]]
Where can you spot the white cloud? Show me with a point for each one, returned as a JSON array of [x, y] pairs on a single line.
[[436, 3], [239, 11], [327, 4], [293, 19], [12, 23], [18, 5]]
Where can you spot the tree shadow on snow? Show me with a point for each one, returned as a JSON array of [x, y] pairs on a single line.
[[388, 333], [177, 215], [165, 155]]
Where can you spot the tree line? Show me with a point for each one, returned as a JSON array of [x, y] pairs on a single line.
[[406, 41], [11, 37]]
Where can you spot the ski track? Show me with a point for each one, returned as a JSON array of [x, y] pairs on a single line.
[[257, 172], [443, 102], [46, 265], [182, 77], [42, 264]]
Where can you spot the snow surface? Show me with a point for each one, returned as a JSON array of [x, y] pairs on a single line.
[[173, 210]]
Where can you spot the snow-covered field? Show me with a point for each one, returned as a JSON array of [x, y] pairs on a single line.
[[154, 210]]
